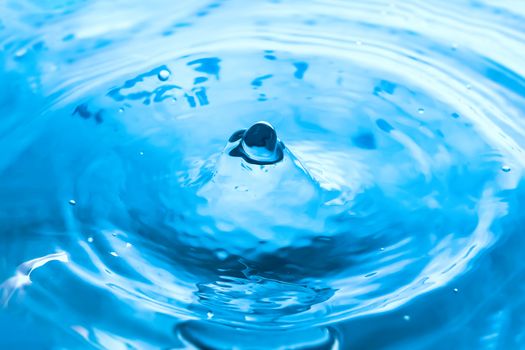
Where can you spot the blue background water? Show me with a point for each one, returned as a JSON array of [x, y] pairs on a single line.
[[394, 220]]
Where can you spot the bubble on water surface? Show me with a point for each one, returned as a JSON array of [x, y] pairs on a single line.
[[164, 75]]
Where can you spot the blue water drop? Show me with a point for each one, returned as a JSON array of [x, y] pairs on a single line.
[[258, 145], [164, 75]]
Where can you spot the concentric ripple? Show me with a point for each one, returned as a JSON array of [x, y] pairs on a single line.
[[125, 212]]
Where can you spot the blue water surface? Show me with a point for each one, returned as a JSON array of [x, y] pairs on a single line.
[[387, 212]]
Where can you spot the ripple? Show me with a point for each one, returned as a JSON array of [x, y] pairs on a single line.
[[399, 123]]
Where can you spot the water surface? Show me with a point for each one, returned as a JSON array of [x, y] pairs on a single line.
[[392, 218]]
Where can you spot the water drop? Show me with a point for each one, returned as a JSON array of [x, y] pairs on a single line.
[[121, 110], [406, 318], [113, 253], [421, 111], [128, 245], [505, 168], [382, 249], [209, 315], [141, 153], [90, 239], [258, 145], [72, 202], [164, 75], [455, 290]]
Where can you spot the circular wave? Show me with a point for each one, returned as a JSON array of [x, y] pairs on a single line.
[[403, 162]]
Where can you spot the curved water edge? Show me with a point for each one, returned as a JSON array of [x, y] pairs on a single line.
[[401, 132]]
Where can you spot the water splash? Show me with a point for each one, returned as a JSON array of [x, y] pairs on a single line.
[[257, 145], [396, 176]]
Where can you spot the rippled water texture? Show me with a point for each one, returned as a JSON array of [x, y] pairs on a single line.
[[384, 211]]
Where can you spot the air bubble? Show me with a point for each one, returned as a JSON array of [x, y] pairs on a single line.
[[113, 253], [164, 75], [72, 202], [505, 168], [421, 111], [406, 318], [455, 290], [210, 315], [90, 239]]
